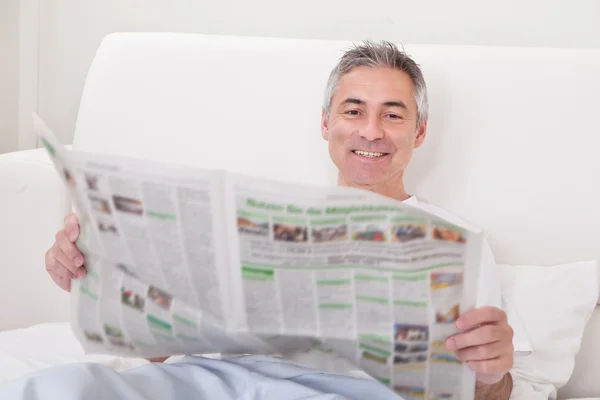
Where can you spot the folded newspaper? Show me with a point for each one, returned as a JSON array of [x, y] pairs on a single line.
[[184, 260]]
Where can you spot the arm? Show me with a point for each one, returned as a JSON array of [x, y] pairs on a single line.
[[157, 360], [500, 390]]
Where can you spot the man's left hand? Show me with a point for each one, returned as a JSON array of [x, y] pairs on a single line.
[[485, 343]]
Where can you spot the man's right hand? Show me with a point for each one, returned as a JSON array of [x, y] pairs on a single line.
[[64, 261]]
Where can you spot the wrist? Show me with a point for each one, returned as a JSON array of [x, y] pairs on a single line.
[[157, 359], [501, 390]]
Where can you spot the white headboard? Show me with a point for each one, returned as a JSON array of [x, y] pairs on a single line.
[[512, 144], [513, 134]]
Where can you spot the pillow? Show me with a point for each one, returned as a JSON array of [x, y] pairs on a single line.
[[554, 303], [584, 381]]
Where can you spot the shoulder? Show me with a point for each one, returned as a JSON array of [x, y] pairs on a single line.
[[489, 290], [488, 282], [440, 212], [487, 256]]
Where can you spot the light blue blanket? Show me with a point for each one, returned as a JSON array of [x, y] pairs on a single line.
[[197, 378]]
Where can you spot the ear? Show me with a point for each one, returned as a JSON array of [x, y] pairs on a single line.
[[324, 125], [421, 133]]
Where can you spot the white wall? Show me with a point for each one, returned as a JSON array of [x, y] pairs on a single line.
[[9, 74], [71, 30]]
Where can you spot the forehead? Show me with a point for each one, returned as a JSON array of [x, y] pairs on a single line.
[[375, 85]]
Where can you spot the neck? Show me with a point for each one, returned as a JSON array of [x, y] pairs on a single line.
[[393, 188]]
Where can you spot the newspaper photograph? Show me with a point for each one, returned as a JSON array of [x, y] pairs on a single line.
[[184, 260]]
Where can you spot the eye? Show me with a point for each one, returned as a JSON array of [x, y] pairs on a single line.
[[394, 116], [353, 112]]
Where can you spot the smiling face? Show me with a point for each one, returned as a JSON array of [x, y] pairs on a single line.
[[372, 128]]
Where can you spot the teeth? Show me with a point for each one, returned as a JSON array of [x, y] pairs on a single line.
[[368, 153]]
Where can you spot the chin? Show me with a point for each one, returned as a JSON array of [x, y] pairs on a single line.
[[364, 181]]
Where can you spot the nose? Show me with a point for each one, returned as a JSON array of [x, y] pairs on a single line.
[[372, 129]]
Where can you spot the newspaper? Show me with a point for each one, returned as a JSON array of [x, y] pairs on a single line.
[[184, 260]]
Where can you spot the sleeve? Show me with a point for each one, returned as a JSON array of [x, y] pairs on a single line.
[[490, 294], [524, 389]]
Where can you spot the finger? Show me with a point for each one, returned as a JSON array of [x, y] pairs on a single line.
[[69, 249], [482, 335], [63, 283], [65, 263], [499, 365], [53, 266], [60, 270], [66, 284], [72, 227], [479, 316], [484, 352]]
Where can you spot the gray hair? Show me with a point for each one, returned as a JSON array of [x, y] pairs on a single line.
[[381, 54]]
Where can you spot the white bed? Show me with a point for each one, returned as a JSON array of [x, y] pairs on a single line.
[[512, 147]]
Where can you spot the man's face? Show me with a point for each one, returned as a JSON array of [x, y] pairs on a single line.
[[372, 127]]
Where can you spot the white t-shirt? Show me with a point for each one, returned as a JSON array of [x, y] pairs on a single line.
[[489, 293]]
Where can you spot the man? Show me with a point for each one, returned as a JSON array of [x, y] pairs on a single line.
[[374, 115]]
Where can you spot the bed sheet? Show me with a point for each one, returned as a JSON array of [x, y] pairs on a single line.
[[26, 350], [41, 346]]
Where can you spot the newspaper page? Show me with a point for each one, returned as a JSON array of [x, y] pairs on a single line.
[[183, 260], [379, 282]]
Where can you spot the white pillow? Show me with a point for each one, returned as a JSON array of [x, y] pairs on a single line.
[[554, 304]]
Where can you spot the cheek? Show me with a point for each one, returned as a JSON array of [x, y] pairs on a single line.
[[336, 149], [338, 130], [404, 145], [405, 139], [337, 139]]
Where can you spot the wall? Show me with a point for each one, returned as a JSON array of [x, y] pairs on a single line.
[[71, 30], [9, 74]]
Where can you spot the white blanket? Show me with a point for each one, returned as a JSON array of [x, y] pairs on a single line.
[[245, 377]]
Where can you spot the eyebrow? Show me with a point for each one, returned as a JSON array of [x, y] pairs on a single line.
[[395, 103], [353, 100]]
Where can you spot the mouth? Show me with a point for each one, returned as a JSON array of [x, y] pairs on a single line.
[[369, 154]]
